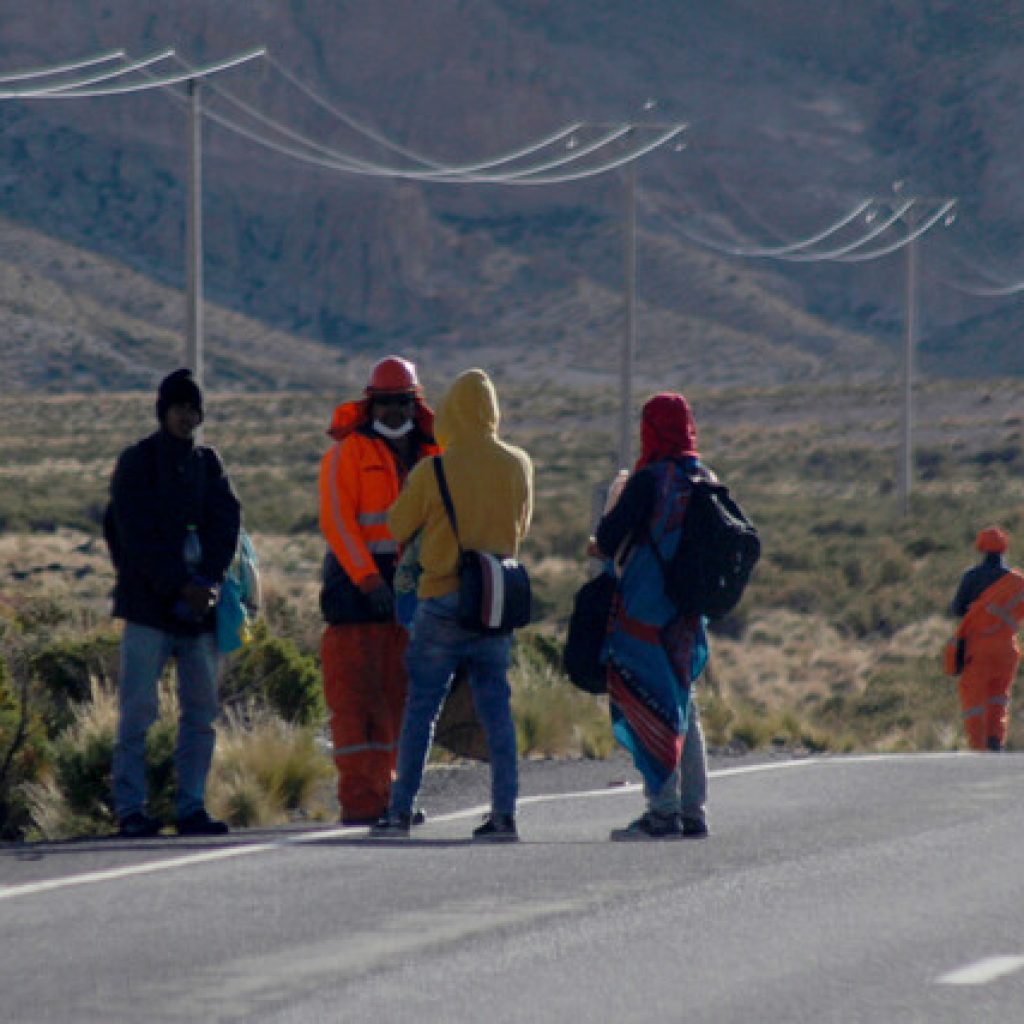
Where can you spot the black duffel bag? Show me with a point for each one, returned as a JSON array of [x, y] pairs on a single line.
[[494, 593], [588, 627]]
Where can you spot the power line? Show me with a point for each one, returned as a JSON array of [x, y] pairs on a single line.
[[343, 161], [61, 69], [72, 92], [427, 162], [792, 253], [332, 158], [57, 90], [851, 252], [986, 292], [782, 250], [842, 252], [522, 177], [994, 289], [925, 226], [358, 164]]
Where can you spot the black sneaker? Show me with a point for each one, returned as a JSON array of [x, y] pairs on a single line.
[[394, 825], [199, 823], [649, 826], [498, 828], [419, 816], [139, 826], [694, 828]]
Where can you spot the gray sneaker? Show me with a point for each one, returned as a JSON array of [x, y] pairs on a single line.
[[649, 826]]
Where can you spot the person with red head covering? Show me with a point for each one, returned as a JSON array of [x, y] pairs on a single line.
[[377, 441], [990, 598], [654, 653]]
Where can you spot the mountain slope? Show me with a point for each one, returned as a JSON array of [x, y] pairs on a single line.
[[798, 110]]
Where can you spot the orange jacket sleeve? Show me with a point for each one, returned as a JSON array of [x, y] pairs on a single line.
[[353, 501]]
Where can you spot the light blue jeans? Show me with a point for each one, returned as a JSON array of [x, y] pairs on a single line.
[[685, 791], [437, 647], [144, 653]]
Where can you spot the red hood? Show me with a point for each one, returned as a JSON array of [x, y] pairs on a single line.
[[667, 429], [351, 416]]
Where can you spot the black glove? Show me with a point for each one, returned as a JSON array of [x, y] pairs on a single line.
[[382, 603]]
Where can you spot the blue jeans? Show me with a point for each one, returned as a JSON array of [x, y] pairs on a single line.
[[144, 653], [438, 645]]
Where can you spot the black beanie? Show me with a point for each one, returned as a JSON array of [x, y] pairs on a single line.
[[178, 388]]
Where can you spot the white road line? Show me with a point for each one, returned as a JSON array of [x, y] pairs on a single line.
[[226, 853], [983, 971]]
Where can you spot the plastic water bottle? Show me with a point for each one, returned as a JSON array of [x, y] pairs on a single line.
[[192, 553], [192, 550], [615, 489]]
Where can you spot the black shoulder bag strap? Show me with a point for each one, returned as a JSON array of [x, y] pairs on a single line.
[[446, 498]]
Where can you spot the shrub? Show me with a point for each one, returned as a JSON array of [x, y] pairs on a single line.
[[553, 718], [76, 799], [268, 771], [265, 770], [24, 751], [66, 670], [270, 672]]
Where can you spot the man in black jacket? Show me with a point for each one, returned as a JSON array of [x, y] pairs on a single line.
[[173, 530]]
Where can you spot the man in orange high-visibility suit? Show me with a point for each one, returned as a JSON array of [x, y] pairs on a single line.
[[378, 439], [991, 600]]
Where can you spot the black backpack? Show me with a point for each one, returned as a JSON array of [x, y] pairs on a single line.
[[716, 554]]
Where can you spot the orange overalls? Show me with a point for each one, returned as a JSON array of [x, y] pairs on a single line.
[[990, 631], [363, 663]]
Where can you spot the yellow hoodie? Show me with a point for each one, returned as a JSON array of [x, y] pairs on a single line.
[[491, 485]]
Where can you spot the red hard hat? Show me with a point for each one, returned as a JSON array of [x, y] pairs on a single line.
[[393, 375], [992, 540]]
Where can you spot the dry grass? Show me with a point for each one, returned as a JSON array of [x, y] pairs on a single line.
[[268, 772], [265, 771], [844, 619]]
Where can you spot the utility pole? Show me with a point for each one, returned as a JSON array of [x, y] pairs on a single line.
[[194, 235], [906, 474], [916, 223], [629, 337], [628, 353]]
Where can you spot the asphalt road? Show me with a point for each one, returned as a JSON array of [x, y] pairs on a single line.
[[835, 889]]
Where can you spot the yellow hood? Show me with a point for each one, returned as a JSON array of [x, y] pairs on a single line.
[[469, 409]]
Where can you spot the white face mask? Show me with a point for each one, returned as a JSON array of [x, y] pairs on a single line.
[[392, 433]]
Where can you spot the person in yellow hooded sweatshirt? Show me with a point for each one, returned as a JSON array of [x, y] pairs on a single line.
[[990, 598], [491, 485]]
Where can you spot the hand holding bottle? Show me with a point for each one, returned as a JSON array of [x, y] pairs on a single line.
[[198, 596]]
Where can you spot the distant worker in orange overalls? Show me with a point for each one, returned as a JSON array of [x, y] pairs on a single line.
[[991, 600], [378, 439]]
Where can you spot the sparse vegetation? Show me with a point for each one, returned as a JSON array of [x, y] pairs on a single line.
[[835, 646]]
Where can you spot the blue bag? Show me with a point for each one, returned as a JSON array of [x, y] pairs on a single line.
[[239, 599]]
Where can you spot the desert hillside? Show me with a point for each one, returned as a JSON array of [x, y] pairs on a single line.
[[797, 111]]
